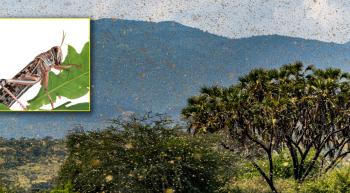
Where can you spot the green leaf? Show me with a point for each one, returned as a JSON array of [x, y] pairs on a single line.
[[72, 83], [76, 107], [4, 107]]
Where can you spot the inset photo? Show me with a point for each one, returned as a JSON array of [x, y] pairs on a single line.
[[45, 64]]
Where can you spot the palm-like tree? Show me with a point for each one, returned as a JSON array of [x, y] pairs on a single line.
[[305, 110]]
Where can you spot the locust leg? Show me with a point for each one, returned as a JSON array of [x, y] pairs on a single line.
[[27, 80], [31, 80], [45, 84], [13, 96], [65, 67]]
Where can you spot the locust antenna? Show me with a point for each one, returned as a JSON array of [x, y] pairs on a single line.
[[64, 35]]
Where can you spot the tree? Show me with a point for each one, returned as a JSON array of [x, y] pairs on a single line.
[[143, 155], [303, 110]]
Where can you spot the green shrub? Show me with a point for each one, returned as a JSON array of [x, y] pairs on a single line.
[[283, 166], [135, 156], [66, 188], [337, 181]]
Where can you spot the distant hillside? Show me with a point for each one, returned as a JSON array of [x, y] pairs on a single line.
[[30, 164], [158, 65], [144, 66]]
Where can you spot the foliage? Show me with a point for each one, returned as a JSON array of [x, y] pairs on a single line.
[[143, 155], [283, 166], [337, 181], [256, 184], [67, 188], [3, 107], [302, 110], [72, 83]]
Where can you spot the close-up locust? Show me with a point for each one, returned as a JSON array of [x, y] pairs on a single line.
[[36, 71]]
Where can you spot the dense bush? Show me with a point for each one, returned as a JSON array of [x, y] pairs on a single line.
[[143, 156]]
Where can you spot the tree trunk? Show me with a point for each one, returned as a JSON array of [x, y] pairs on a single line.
[[269, 180]]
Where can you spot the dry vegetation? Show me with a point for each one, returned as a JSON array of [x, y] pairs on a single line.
[[30, 164]]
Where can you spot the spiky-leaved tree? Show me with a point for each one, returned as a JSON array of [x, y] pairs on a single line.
[[305, 111]]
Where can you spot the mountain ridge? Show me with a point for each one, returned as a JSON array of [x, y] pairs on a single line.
[[171, 22]]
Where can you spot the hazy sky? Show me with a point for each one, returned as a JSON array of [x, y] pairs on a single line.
[[327, 20]]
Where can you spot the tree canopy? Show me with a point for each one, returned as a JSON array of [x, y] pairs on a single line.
[[305, 110]]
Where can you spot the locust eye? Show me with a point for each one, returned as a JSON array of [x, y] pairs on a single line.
[[57, 55]]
